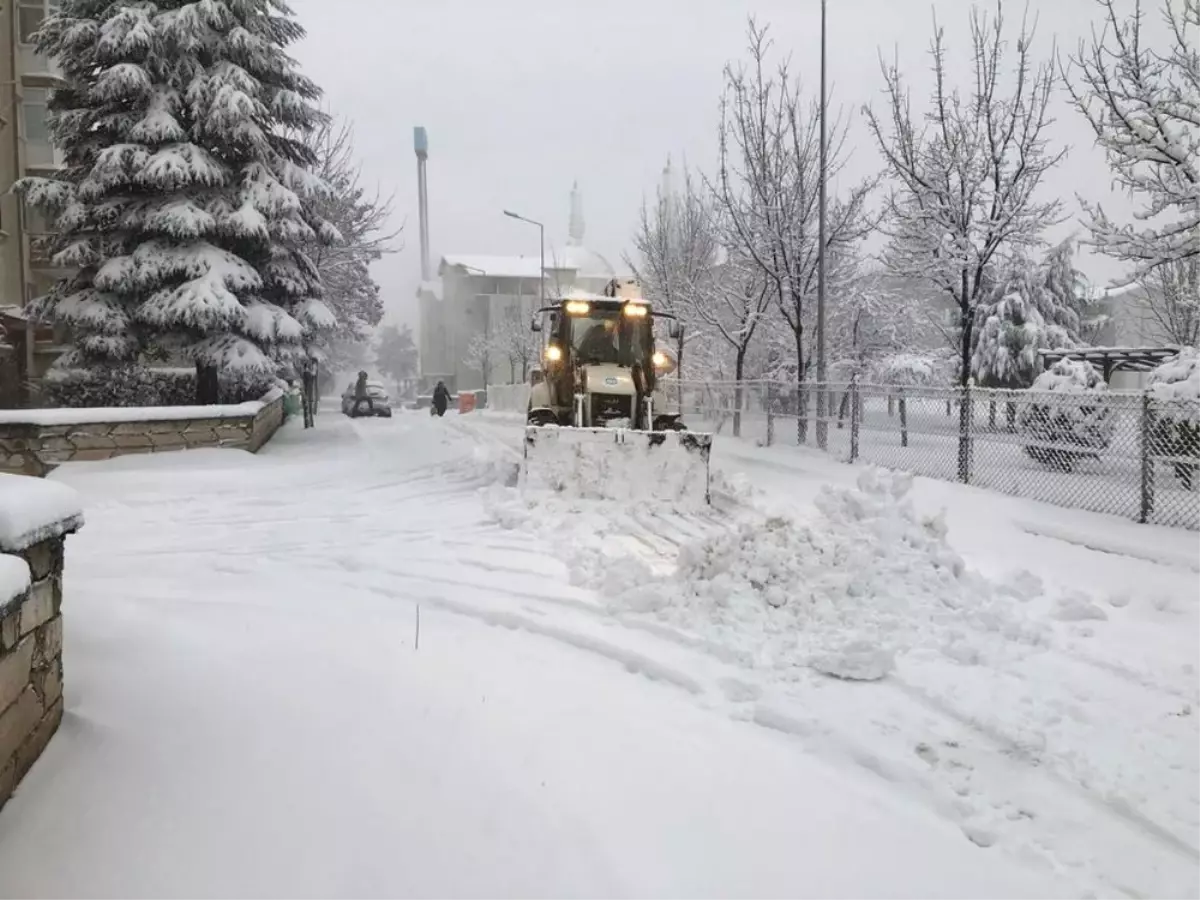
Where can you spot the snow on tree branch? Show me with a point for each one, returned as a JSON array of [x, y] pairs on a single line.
[[359, 218], [767, 185], [187, 199], [1143, 104], [966, 175], [868, 321], [1170, 302], [509, 342]]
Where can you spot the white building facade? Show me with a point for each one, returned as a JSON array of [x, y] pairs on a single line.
[[481, 300]]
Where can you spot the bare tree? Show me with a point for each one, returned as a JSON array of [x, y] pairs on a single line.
[[478, 354], [966, 174], [868, 320], [677, 248], [362, 217], [767, 185], [1144, 105], [514, 343], [1170, 305], [508, 340], [732, 306]]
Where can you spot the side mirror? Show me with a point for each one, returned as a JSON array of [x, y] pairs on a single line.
[[535, 324], [674, 329]]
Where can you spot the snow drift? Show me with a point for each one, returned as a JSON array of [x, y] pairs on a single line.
[[864, 580], [867, 578]]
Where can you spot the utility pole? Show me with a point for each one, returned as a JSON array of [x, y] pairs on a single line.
[[822, 397]]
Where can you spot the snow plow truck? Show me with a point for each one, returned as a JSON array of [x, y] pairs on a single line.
[[602, 421]]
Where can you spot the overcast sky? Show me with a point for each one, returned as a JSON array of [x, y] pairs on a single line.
[[523, 97]]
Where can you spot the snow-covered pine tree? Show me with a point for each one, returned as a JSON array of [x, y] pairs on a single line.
[[187, 195], [1064, 299], [1031, 308], [1006, 346]]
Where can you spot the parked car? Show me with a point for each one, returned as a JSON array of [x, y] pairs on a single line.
[[381, 403]]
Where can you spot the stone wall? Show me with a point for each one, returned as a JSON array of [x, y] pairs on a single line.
[[31, 639], [35, 447]]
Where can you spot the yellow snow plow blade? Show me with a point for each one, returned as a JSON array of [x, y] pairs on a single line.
[[618, 464]]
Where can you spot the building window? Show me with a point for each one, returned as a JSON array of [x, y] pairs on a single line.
[[34, 111], [31, 14]]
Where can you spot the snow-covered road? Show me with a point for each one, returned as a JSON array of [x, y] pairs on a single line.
[[247, 713]]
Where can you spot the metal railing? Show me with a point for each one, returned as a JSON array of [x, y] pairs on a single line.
[[1124, 453]]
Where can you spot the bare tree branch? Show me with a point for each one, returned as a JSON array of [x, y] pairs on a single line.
[[965, 179], [362, 218], [1170, 304], [1144, 106], [767, 184]]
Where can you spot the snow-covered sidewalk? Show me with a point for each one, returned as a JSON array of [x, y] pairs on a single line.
[[247, 713]]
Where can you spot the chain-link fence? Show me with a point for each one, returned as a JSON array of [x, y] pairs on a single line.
[[1124, 453]]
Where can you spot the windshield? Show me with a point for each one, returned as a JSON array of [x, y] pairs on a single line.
[[608, 337]]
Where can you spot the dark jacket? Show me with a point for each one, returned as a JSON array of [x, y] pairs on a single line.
[[360, 388], [441, 396]]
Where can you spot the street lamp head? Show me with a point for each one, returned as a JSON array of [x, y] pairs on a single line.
[[511, 214]]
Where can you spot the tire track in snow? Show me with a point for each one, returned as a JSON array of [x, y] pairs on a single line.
[[1128, 676], [1018, 753], [1000, 753], [631, 660]]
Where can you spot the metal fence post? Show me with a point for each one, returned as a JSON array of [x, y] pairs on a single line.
[[855, 416], [770, 413], [1147, 459], [964, 434], [903, 419]]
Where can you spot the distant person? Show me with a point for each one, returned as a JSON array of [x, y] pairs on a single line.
[[441, 398], [362, 395]]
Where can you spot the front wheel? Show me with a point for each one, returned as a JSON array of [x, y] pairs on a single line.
[[669, 424], [541, 418]]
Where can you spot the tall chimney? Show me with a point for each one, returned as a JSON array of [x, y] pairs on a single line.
[[421, 146]]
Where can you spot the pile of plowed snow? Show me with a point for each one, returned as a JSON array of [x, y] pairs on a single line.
[[863, 580], [844, 592]]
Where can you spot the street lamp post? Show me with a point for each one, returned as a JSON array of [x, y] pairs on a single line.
[[822, 399], [542, 255]]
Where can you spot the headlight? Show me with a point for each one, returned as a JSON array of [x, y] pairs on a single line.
[[659, 359], [635, 310], [553, 353], [577, 307]]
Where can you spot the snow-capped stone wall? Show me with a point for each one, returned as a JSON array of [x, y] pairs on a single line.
[[35, 441], [35, 518]]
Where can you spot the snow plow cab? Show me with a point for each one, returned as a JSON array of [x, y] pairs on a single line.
[[599, 423]]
